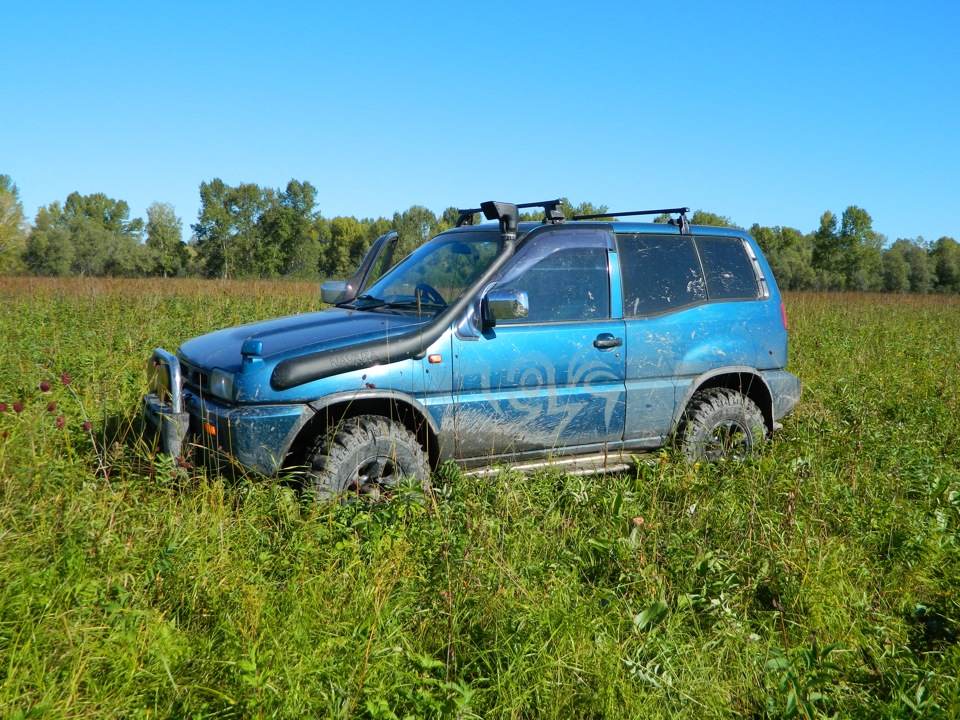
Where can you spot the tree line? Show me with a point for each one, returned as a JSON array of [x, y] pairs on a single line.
[[249, 231]]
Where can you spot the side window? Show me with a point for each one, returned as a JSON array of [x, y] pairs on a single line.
[[729, 271], [660, 273], [563, 285]]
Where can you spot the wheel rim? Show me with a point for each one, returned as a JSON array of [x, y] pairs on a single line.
[[730, 439], [376, 478]]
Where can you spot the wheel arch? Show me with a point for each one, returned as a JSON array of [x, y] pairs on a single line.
[[744, 379], [395, 406]]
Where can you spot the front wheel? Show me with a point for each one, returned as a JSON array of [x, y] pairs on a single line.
[[720, 424], [366, 457]]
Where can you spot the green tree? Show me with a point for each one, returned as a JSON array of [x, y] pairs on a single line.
[[92, 246], [12, 231], [229, 242], [112, 215], [127, 258], [349, 240], [415, 226], [702, 217], [862, 258], [848, 256], [789, 254], [165, 240], [569, 210], [827, 253], [896, 270], [87, 235], [945, 254], [290, 232], [49, 247], [919, 263], [448, 218]]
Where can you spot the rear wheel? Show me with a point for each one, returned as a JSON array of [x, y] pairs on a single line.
[[366, 457], [721, 424]]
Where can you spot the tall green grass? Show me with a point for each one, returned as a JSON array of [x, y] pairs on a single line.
[[822, 579]]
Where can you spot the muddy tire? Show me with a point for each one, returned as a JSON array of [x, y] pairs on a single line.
[[720, 424], [366, 457]]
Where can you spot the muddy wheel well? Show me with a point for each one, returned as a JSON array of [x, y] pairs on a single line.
[[390, 408], [748, 384]]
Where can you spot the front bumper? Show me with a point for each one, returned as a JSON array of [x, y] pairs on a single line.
[[255, 437], [163, 405], [171, 426]]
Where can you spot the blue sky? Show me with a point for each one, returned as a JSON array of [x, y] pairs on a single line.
[[766, 112]]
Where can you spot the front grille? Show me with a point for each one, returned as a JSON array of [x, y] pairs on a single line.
[[195, 378]]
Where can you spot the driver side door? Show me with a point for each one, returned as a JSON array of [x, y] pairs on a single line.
[[551, 383]]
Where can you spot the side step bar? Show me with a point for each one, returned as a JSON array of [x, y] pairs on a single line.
[[597, 464]]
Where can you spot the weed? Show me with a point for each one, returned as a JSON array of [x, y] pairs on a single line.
[[137, 587]]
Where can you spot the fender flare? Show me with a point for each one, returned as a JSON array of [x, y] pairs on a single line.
[[358, 396], [699, 381]]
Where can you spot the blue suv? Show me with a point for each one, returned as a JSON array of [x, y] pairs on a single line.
[[579, 344]]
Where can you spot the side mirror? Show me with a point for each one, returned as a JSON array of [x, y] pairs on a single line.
[[332, 290], [504, 304]]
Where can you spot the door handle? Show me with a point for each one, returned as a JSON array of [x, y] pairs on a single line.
[[606, 341]]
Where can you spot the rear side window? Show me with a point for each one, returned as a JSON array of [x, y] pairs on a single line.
[[660, 273], [729, 271]]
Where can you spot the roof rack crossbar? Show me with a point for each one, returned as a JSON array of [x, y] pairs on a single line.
[[668, 211], [551, 212], [683, 222]]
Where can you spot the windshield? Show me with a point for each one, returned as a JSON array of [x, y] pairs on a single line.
[[435, 274]]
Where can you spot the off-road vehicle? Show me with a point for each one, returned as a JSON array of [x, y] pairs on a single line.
[[579, 343]]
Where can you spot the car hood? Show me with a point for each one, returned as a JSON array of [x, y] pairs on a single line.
[[295, 335]]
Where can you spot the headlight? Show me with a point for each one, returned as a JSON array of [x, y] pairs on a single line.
[[221, 384]]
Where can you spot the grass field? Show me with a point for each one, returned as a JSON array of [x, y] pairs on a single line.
[[822, 579]]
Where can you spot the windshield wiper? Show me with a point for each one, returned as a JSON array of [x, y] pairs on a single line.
[[369, 302], [375, 302], [405, 305]]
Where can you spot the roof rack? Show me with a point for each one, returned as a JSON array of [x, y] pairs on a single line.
[[552, 214], [682, 221]]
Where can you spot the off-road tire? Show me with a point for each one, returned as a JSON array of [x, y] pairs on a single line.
[[365, 457], [720, 424]]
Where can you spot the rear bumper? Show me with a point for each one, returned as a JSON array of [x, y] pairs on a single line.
[[785, 390]]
